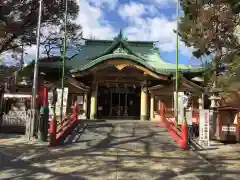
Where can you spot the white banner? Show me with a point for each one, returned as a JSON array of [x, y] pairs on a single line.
[[65, 96], [80, 99], [181, 100], [204, 128], [58, 104], [189, 117]]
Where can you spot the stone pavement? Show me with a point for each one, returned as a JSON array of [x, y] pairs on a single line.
[[226, 159], [107, 150]]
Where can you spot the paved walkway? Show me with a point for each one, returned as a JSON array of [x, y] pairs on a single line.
[[107, 150], [226, 159]]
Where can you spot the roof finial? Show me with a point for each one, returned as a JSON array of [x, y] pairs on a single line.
[[120, 34], [120, 37]]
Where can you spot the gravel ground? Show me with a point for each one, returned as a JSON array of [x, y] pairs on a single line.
[[107, 150]]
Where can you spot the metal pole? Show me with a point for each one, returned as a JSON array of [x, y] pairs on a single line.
[[35, 77], [177, 68], [64, 56]]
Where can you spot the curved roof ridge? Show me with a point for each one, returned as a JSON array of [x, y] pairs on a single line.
[[114, 56], [118, 41], [109, 41]]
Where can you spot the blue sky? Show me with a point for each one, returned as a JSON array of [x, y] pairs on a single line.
[[141, 20]]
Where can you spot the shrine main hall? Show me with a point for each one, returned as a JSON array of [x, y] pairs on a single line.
[[118, 79]]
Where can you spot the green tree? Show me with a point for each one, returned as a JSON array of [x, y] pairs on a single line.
[[209, 26], [18, 21], [53, 41]]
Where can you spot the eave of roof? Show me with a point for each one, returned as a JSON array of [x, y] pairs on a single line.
[[112, 41]]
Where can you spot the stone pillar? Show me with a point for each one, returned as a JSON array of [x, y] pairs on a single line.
[[152, 107], [144, 102], [93, 105]]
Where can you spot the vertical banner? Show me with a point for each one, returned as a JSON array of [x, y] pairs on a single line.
[[50, 96], [180, 110], [43, 96], [204, 128], [80, 99], [189, 117], [58, 104]]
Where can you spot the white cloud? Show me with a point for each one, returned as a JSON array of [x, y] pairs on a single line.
[[158, 28], [165, 3], [110, 4], [144, 21], [11, 58], [92, 20], [134, 9]]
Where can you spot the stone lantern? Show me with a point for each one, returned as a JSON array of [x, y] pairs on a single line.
[[215, 103]]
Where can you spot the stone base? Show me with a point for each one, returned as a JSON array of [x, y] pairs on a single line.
[[82, 116], [92, 116], [143, 117]]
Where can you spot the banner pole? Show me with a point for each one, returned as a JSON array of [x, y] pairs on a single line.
[[64, 57], [177, 67]]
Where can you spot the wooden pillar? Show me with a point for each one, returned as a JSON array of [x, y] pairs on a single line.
[[125, 108], [93, 105], [238, 128], [144, 101], [200, 104], [152, 107], [110, 112]]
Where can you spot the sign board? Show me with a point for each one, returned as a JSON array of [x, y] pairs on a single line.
[[189, 117], [204, 128], [229, 128]]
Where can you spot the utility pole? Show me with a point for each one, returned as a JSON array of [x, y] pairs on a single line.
[[177, 67], [35, 77], [64, 57]]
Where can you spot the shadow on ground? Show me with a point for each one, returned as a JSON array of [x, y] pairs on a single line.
[[12, 130], [109, 150]]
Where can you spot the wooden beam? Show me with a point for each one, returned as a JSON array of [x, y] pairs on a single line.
[[114, 63], [118, 81], [10, 95], [119, 74]]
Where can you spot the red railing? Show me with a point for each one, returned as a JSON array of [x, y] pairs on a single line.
[[59, 130], [179, 134]]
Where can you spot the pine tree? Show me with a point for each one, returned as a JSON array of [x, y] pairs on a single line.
[[209, 26], [18, 21]]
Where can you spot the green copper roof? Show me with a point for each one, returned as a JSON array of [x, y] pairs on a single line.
[[144, 53], [115, 56], [97, 51]]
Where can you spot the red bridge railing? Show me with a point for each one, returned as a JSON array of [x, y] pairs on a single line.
[[59, 130], [178, 133]]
